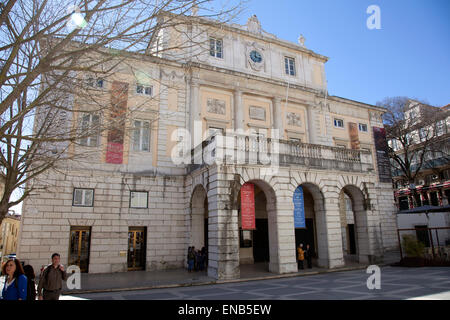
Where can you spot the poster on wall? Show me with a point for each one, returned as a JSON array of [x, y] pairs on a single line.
[[381, 147], [114, 146], [248, 207], [299, 208], [354, 137]]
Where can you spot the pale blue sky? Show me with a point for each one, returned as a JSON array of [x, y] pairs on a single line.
[[408, 56]]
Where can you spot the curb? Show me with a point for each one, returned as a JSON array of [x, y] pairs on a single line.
[[191, 284]]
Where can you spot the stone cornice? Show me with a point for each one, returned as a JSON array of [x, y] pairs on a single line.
[[357, 103]]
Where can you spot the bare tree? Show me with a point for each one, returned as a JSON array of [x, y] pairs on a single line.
[[56, 52], [417, 136]]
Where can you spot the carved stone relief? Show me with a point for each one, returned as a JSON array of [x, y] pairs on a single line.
[[216, 106], [293, 119]]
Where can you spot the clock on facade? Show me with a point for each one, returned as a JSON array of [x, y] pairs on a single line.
[[255, 56]]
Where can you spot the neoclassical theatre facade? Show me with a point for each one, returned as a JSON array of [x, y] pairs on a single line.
[[250, 108]]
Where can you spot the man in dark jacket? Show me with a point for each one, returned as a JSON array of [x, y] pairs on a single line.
[[50, 283]]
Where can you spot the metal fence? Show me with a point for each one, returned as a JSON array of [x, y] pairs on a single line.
[[436, 241]]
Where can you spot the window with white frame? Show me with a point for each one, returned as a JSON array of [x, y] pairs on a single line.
[[141, 135], [83, 197], [95, 82], [338, 123], [363, 127], [144, 89], [422, 134], [89, 127], [440, 128], [216, 47], [289, 66], [138, 199]]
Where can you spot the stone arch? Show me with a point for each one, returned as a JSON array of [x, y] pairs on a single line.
[[271, 210], [358, 201], [198, 215], [319, 224]]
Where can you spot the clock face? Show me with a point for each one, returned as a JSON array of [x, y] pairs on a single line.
[[255, 56]]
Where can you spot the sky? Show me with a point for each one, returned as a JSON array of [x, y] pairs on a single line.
[[408, 56]]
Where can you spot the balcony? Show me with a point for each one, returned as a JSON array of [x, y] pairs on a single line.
[[255, 150]]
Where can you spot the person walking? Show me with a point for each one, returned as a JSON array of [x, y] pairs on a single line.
[[308, 256], [300, 256], [31, 285], [50, 282], [15, 287]]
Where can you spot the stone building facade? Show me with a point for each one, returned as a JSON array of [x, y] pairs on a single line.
[[142, 207]]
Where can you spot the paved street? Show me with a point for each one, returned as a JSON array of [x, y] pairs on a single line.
[[396, 283]]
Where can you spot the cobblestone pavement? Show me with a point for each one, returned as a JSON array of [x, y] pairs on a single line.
[[396, 283]]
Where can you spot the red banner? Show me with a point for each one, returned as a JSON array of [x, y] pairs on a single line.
[[248, 206], [353, 132], [118, 108]]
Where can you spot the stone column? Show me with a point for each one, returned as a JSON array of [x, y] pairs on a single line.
[[238, 110], [281, 233], [195, 113], [223, 243], [311, 124], [332, 231], [278, 116]]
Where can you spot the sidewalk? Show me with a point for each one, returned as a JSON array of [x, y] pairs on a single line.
[[140, 280]]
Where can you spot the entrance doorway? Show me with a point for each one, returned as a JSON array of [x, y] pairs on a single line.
[[261, 241], [254, 244], [80, 240], [136, 248], [306, 236]]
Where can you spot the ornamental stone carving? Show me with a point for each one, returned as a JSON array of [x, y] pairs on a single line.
[[293, 119], [216, 106]]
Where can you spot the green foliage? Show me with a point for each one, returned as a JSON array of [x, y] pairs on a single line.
[[413, 248]]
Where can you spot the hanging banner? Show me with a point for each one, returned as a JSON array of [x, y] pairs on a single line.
[[354, 137], [383, 164], [299, 208], [248, 206]]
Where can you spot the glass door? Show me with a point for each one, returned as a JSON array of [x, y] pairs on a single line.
[[80, 239], [136, 248]]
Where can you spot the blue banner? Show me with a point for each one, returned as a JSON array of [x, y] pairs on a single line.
[[299, 208]]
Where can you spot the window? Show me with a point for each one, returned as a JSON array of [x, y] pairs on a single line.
[[215, 48], [90, 124], [144, 90], [295, 140], [138, 199], [95, 83], [422, 134], [83, 197], [403, 203], [446, 174], [289, 66], [141, 136], [215, 130], [338, 123], [434, 199], [440, 128], [363, 127]]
